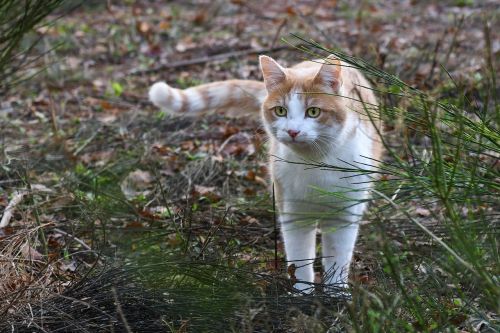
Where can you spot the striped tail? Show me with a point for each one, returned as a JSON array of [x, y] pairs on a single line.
[[236, 97]]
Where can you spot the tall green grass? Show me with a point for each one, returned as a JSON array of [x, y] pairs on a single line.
[[17, 20], [436, 209], [431, 250]]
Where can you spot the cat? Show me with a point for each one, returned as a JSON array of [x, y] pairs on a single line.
[[314, 111]]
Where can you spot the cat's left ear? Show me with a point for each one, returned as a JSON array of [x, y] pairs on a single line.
[[329, 75]]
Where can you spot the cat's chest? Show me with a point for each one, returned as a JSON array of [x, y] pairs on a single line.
[[300, 180]]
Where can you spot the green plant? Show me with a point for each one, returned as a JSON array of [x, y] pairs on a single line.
[[18, 18], [445, 275]]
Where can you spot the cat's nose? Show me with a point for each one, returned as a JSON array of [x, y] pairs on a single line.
[[293, 133]]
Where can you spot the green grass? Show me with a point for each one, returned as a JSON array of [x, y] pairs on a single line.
[[450, 279], [427, 262]]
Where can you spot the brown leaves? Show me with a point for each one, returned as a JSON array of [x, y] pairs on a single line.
[[98, 158], [229, 130], [209, 193], [291, 273], [29, 253], [422, 212], [143, 28], [136, 183]]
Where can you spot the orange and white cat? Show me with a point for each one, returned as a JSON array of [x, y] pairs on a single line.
[[314, 111]]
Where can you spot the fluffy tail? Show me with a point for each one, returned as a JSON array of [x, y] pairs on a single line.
[[237, 97]]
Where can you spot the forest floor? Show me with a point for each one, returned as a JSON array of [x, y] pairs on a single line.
[[101, 173]]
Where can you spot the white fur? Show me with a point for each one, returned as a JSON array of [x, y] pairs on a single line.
[[195, 100], [276, 73], [304, 208], [165, 97], [159, 94], [219, 95], [176, 102]]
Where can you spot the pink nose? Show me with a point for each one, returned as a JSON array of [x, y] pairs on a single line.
[[293, 133]]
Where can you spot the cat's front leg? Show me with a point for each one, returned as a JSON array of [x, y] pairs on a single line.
[[300, 249], [338, 241]]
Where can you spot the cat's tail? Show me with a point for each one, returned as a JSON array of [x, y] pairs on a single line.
[[237, 97]]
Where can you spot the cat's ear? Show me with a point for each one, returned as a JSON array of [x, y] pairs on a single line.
[[329, 75], [272, 72]]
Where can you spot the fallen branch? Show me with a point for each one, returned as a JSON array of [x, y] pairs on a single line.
[[229, 139], [7, 214], [203, 60], [16, 200], [78, 240]]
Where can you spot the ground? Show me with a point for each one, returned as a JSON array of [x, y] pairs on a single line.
[[101, 172]]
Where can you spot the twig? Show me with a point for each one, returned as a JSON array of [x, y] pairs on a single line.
[[120, 311], [202, 60], [435, 56], [53, 118], [78, 240], [7, 214], [313, 25], [275, 233], [278, 32], [86, 142], [234, 136]]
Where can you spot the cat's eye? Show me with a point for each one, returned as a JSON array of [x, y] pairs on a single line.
[[313, 112], [280, 111]]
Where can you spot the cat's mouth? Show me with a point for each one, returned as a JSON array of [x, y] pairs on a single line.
[[295, 142]]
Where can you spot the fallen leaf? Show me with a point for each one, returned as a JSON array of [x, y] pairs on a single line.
[[249, 220], [136, 183], [291, 272], [30, 253], [206, 192], [229, 130], [250, 175], [143, 28], [164, 25], [133, 224], [68, 266], [423, 212], [290, 11], [200, 18]]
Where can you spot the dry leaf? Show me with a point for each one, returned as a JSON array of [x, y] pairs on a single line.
[[136, 183], [423, 212], [206, 192], [30, 253], [143, 28], [291, 272]]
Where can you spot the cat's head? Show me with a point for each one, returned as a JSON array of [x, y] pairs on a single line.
[[302, 107]]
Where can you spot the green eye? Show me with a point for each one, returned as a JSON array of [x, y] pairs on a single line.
[[280, 111], [313, 112]]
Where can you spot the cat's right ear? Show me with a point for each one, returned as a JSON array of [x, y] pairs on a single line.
[[272, 72]]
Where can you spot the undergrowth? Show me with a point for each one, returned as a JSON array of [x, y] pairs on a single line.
[[155, 225]]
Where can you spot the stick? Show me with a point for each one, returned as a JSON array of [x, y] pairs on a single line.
[[16, 200], [78, 240], [233, 136], [7, 214], [202, 60], [278, 32], [120, 311], [275, 234]]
